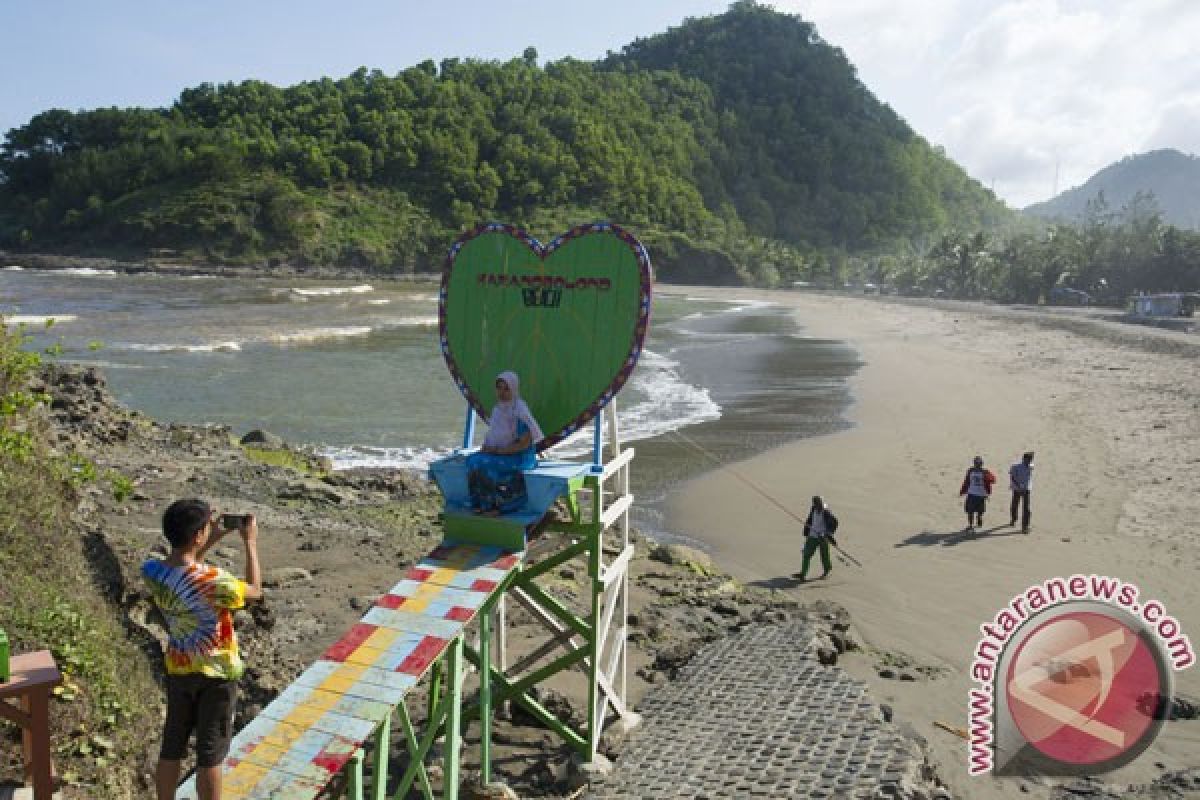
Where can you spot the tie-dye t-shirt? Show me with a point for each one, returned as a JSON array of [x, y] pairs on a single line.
[[197, 602]]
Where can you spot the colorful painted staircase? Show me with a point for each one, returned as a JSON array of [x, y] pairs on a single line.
[[318, 726]]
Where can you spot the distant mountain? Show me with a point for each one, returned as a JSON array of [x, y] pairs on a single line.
[[1172, 177]]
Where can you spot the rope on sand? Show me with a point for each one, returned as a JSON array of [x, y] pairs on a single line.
[[842, 554]]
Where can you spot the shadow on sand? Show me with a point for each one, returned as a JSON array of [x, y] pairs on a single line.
[[792, 582], [951, 538]]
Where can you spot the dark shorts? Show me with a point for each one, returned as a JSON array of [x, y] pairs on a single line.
[[976, 504], [202, 704]]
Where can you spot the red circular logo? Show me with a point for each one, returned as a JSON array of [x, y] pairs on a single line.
[[1084, 689]]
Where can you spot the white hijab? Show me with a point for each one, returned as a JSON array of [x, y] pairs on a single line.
[[502, 427]]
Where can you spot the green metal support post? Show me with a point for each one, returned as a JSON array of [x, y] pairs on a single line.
[[435, 688], [380, 773], [454, 667], [485, 696], [416, 755], [354, 777]]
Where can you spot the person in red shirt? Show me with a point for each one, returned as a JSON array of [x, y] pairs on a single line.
[[977, 486]]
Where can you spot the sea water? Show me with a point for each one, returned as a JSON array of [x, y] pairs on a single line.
[[353, 368]]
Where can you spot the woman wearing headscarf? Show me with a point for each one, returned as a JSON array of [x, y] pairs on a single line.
[[494, 476]]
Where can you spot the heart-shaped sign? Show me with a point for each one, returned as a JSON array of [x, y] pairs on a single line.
[[569, 318]]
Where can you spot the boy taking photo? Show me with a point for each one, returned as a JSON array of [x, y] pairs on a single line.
[[202, 660]]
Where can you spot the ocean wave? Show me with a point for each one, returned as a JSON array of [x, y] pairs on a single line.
[[378, 301], [230, 346], [736, 303], [394, 457], [719, 336], [302, 336], [332, 291], [755, 305], [87, 271], [84, 362], [37, 319], [670, 404], [319, 334], [12, 268], [652, 360], [411, 322], [731, 307]]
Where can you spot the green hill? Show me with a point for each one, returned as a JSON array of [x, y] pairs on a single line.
[[1166, 179], [804, 150], [740, 146]]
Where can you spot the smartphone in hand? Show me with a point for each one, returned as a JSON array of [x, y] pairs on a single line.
[[234, 522]]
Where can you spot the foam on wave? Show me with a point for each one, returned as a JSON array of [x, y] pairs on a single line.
[[87, 271], [332, 291], [318, 334], [391, 457], [230, 346], [669, 403], [38, 319]]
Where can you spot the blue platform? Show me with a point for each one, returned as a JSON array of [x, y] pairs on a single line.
[[544, 484]]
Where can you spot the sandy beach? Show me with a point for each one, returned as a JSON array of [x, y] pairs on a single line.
[[1109, 408]]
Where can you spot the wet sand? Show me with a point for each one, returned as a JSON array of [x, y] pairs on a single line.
[[1110, 409]]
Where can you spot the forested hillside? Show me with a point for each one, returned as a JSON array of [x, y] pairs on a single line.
[[802, 148], [741, 147], [1165, 180]]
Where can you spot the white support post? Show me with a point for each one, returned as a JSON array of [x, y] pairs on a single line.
[[619, 674]]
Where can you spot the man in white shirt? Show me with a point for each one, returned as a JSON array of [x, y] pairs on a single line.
[[1020, 478]]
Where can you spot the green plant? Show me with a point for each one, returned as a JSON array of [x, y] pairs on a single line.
[[122, 485], [49, 598], [76, 470]]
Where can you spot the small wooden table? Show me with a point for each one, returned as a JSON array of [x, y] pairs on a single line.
[[33, 676]]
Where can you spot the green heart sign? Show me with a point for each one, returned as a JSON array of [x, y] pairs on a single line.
[[569, 318]]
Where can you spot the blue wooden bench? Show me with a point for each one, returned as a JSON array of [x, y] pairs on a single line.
[[544, 484]]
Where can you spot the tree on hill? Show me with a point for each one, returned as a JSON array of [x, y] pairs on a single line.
[[744, 133], [803, 148]]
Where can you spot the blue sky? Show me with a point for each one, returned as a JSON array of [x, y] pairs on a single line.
[[1016, 91], [85, 54]]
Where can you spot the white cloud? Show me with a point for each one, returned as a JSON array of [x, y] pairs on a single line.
[[1178, 126], [1017, 89]]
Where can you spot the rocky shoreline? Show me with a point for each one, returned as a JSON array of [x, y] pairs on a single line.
[[330, 543]]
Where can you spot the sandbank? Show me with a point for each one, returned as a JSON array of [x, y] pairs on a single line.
[[1112, 413]]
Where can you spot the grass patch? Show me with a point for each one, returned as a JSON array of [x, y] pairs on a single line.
[[49, 601], [290, 459]]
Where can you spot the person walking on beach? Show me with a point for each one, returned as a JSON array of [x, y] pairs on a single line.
[[977, 486], [202, 659], [818, 534], [1020, 479]]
